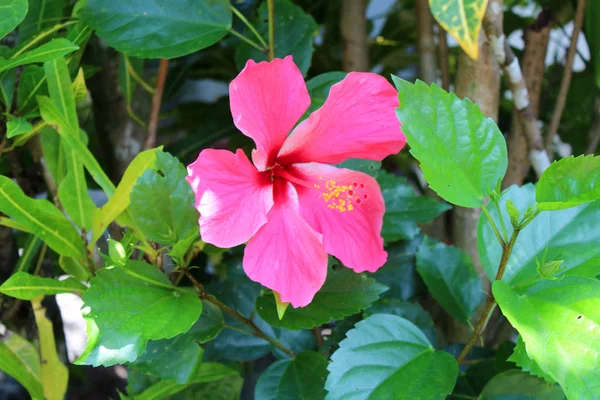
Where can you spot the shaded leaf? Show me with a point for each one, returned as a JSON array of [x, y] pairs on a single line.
[[318, 89], [31, 83], [413, 312], [19, 359], [399, 272], [515, 384], [42, 14]]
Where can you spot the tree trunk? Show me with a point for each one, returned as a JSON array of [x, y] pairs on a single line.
[[533, 66], [353, 24], [425, 42]]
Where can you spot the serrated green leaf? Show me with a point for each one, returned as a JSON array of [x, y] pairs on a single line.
[[41, 218], [162, 202], [17, 126], [462, 153], [515, 384], [297, 41], [24, 286], [52, 49], [570, 235], [559, 321], [13, 12], [31, 83], [520, 357], [300, 378], [127, 306], [461, 19], [404, 210], [19, 359], [569, 182], [119, 201], [54, 374], [185, 26], [451, 278], [386, 356], [42, 14], [344, 293]]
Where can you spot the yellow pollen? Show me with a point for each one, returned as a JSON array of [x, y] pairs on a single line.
[[336, 196]]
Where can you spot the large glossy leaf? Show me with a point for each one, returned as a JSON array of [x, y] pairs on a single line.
[[300, 378], [52, 49], [461, 19], [24, 286], [54, 374], [294, 31], [451, 278], [127, 306], [559, 321], [514, 384], [386, 357], [120, 199], [569, 182], [163, 28], [571, 235], [404, 210], [344, 293], [13, 12], [41, 218], [19, 359], [162, 202], [462, 153]]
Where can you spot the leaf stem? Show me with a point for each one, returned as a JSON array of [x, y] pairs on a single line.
[[245, 39], [271, 12], [490, 302], [249, 25], [493, 225], [225, 308], [131, 71], [502, 225]]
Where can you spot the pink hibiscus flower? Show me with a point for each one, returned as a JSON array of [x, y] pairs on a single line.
[[291, 205]]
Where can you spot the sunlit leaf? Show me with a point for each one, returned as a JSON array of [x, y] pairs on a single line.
[[24, 286], [13, 12]]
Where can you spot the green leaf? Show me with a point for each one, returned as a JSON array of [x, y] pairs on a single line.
[[61, 91], [462, 153], [515, 384], [404, 210], [207, 372], [413, 312], [7, 88], [369, 167], [461, 19], [294, 35], [19, 359], [31, 83], [569, 182], [79, 87], [569, 235], [592, 34], [73, 193], [227, 388], [75, 268], [17, 126], [126, 82], [386, 356], [344, 293], [13, 12], [520, 357], [127, 306], [54, 153], [300, 378], [42, 15], [54, 374], [162, 202], [119, 201], [318, 89], [451, 278], [52, 49], [41, 218], [24, 286], [27, 256], [163, 29], [559, 321]]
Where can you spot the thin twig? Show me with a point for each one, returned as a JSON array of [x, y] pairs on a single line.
[[271, 12], [247, 40], [250, 26], [318, 335], [156, 102], [561, 100], [490, 302], [225, 308]]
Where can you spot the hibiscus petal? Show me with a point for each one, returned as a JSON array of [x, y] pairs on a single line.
[[267, 99], [347, 208], [286, 254], [232, 196], [358, 120]]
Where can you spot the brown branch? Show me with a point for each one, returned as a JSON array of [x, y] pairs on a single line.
[[426, 43], [561, 100], [492, 25], [156, 102], [353, 25], [533, 65], [444, 60]]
